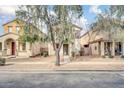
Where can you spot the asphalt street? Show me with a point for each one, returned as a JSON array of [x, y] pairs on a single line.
[[80, 79]]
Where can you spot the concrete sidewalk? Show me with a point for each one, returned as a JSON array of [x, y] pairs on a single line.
[[72, 66]]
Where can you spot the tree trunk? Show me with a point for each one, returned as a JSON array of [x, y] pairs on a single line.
[[57, 58]]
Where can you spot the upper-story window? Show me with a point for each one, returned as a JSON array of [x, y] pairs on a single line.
[[17, 29], [9, 28]]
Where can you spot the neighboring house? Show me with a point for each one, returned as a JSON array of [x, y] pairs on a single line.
[[10, 44], [98, 44], [68, 48]]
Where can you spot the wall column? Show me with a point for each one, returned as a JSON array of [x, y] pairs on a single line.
[[123, 48], [102, 49], [113, 48], [3, 48], [70, 49], [28, 49], [17, 47]]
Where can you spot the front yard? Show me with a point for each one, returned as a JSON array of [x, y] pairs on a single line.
[[52, 59], [47, 63]]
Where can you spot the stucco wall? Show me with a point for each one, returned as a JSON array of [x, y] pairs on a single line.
[[95, 48], [36, 48], [0, 53], [90, 36], [23, 54], [51, 50]]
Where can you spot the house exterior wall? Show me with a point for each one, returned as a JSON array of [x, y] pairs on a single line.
[[13, 24], [91, 36], [51, 51], [36, 48], [96, 41], [95, 48], [13, 36], [71, 48], [25, 53]]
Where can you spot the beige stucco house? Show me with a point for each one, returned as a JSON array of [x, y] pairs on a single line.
[[98, 44], [67, 48], [9, 41]]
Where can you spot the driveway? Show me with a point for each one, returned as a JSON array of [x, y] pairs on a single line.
[[63, 80]]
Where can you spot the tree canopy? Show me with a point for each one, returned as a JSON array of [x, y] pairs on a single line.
[[57, 20]]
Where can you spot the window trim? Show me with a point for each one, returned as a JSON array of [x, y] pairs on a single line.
[[9, 29], [18, 29]]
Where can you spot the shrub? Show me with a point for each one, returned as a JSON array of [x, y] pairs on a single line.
[[2, 61], [103, 56], [45, 53], [122, 56], [110, 56]]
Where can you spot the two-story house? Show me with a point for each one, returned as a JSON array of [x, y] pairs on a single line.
[[9, 41], [67, 47]]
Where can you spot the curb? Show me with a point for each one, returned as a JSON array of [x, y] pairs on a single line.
[[47, 70]]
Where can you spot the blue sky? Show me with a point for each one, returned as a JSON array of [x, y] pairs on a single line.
[[7, 13], [90, 12]]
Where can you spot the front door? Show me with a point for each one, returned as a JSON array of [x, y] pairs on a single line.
[[13, 48], [118, 48], [65, 49]]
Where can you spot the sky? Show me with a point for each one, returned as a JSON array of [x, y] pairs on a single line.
[[7, 13]]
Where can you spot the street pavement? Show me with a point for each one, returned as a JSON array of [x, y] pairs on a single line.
[[60, 79], [40, 73]]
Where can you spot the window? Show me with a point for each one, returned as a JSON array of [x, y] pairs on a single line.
[[9, 28], [17, 29], [0, 46], [86, 45], [24, 46]]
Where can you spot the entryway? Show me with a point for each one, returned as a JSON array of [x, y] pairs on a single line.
[[10, 47], [118, 48], [65, 49], [13, 48]]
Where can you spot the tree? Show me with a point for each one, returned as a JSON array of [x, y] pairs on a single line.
[[57, 19], [107, 24], [117, 10], [111, 23]]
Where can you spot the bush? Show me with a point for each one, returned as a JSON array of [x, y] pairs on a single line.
[[110, 56], [122, 56], [2, 61], [45, 53], [107, 56], [103, 56]]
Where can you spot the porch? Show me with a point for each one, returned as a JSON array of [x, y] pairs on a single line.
[[113, 48], [11, 47]]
